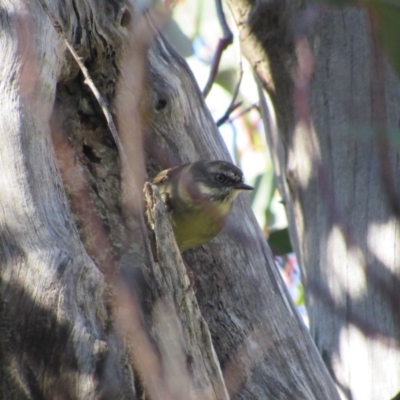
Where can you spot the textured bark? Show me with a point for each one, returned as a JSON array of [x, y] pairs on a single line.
[[87, 308], [263, 347], [55, 339], [339, 181], [184, 337], [71, 317], [361, 241]]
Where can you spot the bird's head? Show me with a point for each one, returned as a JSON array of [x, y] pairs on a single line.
[[218, 181]]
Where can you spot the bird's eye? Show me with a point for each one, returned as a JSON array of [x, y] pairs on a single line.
[[220, 178]]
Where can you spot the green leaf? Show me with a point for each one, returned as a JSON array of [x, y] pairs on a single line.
[[300, 301], [279, 242]]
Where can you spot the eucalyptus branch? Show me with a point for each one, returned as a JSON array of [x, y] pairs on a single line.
[[223, 43], [233, 104]]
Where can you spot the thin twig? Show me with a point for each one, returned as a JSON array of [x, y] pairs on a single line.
[[223, 43], [233, 105], [244, 111]]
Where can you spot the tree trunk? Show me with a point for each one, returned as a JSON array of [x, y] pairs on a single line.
[[339, 182], [55, 338], [88, 308]]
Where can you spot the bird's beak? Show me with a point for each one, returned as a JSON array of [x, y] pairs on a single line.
[[243, 186]]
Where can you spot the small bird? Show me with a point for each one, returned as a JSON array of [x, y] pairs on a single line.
[[200, 196]]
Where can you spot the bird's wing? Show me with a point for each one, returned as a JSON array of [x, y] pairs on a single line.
[[160, 177]]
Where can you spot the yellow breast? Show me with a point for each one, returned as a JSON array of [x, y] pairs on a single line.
[[197, 226]]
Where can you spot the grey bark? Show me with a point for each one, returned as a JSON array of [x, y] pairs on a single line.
[[54, 341], [88, 309], [339, 181]]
